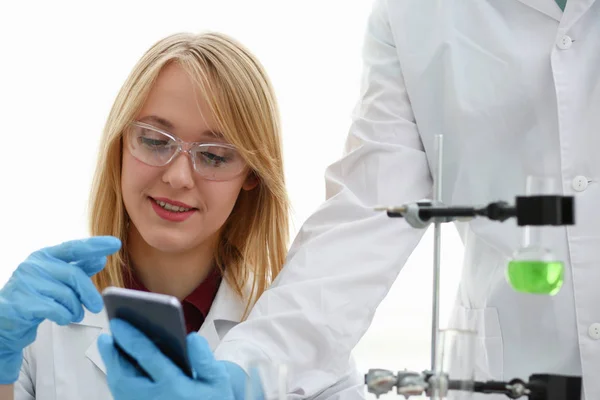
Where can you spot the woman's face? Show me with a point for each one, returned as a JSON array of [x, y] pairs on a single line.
[[174, 106]]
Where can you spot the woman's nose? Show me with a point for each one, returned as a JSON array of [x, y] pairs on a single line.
[[180, 172]]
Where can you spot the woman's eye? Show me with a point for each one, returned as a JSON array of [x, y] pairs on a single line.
[[150, 142], [213, 159]]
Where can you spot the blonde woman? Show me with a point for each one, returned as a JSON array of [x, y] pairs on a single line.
[[188, 200]]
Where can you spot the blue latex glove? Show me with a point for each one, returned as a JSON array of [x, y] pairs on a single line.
[[52, 283], [214, 380]]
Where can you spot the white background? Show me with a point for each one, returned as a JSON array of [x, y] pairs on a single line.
[[62, 63]]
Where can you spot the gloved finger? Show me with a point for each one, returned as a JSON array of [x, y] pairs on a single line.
[[14, 336], [141, 348], [74, 278], [91, 267], [84, 249], [45, 308], [37, 287], [121, 376], [115, 364], [202, 358]]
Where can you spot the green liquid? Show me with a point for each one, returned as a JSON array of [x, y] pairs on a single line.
[[537, 277]]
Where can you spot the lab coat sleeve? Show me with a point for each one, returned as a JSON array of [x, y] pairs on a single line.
[[24, 386], [346, 255]]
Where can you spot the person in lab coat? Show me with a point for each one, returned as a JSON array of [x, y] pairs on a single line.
[[514, 87], [209, 227]]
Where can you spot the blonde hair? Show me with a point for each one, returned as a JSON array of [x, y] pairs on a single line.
[[254, 240]]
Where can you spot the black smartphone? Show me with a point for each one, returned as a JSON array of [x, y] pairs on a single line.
[[158, 316]]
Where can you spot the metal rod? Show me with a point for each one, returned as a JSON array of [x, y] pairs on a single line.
[[437, 241], [427, 213]]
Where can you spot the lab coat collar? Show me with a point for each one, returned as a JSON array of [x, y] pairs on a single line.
[[573, 11], [99, 323], [225, 313], [548, 7]]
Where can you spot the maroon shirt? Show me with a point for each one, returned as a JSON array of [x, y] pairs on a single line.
[[196, 305]]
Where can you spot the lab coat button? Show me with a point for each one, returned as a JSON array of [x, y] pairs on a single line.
[[594, 331], [564, 42], [580, 183]]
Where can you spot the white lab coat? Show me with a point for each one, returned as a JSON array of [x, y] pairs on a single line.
[[64, 363], [514, 87]]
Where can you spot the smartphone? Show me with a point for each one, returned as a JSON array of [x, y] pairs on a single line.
[[158, 316]]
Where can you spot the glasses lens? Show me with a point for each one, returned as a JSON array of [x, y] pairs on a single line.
[[217, 162], [151, 146]]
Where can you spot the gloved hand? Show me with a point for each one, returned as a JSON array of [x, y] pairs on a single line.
[[214, 380], [51, 283]]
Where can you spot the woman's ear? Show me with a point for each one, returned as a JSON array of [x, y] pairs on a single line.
[[251, 181]]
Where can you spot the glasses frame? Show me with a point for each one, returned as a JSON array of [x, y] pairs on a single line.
[[186, 147]]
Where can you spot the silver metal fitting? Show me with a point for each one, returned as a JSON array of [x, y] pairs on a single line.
[[411, 384], [380, 381]]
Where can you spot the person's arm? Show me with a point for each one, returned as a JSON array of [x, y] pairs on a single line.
[[39, 289], [346, 256], [7, 392]]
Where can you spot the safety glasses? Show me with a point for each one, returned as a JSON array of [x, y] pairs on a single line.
[[155, 147]]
